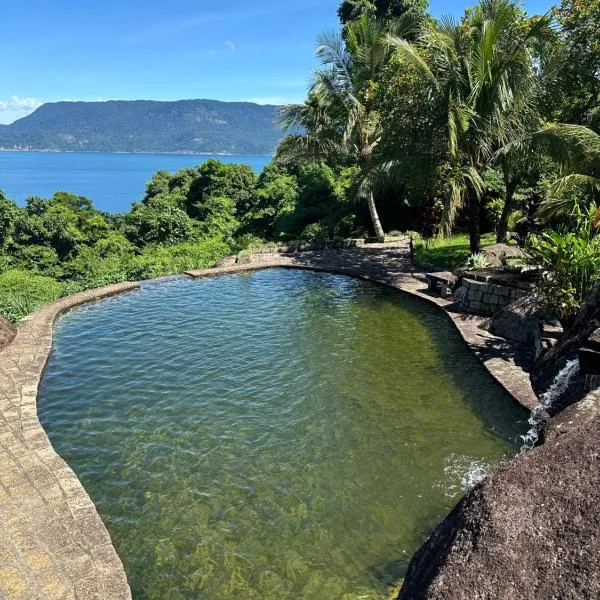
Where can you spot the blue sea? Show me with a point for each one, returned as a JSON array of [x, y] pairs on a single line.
[[112, 181]]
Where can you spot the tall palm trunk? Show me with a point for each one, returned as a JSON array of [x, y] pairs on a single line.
[[375, 218], [502, 232]]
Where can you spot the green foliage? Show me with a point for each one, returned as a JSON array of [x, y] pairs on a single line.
[[8, 213], [276, 196], [478, 260], [493, 209], [574, 88], [159, 221], [570, 263], [22, 292], [168, 260], [217, 179], [36, 258], [315, 232], [351, 10], [322, 199]]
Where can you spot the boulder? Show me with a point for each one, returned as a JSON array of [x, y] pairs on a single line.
[[7, 332], [497, 252], [529, 531], [520, 322]]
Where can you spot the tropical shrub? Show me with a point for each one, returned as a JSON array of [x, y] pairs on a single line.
[[478, 260], [570, 264]]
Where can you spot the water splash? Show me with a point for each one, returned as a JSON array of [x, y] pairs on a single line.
[[462, 474], [540, 415]]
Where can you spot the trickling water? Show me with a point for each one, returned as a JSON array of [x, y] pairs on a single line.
[[274, 435], [540, 414]]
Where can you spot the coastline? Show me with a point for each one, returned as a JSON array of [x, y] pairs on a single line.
[[158, 153]]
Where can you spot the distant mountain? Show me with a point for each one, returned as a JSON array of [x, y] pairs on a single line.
[[147, 126]]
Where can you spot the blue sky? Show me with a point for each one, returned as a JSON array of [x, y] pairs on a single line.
[[260, 51]]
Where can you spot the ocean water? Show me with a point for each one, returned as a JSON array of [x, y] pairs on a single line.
[[273, 435], [112, 181]]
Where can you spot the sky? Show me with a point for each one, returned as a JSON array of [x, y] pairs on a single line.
[[259, 51]]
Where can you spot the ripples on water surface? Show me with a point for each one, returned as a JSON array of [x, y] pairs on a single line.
[[273, 435]]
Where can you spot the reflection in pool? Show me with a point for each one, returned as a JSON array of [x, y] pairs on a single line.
[[273, 435]]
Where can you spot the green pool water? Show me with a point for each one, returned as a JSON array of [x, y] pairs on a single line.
[[275, 435]]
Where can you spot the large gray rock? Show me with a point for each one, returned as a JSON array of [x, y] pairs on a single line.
[[520, 322], [7, 332], [496, 254], [531, 530]]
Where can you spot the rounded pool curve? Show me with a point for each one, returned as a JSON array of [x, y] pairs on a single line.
[[271, 435]]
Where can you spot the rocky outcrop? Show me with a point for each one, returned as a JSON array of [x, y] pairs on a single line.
[[7, 332], [531, 530], [552, 362], [497, 254]]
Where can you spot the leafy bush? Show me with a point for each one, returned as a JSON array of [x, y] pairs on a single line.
[[167, 260], [315, 232], [570, 264]]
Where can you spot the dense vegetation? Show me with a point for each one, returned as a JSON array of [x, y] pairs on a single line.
[[146, 126], [186, 220], [486, 124]]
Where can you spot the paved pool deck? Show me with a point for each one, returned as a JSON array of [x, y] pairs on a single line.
[[53, 543]]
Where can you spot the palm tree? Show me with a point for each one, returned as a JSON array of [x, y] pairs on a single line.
[[576, 151], [481, 74], [339, 120]]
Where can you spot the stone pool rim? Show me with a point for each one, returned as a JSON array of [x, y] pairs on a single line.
[[86, 564]]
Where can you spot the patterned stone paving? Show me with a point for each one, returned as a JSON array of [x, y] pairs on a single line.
[[53, 544]]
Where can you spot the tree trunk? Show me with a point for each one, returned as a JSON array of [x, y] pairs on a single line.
[[549, 365], [474, 233], [375, 218], [501, 234]]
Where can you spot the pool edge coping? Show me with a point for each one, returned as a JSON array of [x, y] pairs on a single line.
[[84, 572], [55, 543]]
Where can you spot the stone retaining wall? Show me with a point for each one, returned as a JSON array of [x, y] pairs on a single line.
[[486, 298]]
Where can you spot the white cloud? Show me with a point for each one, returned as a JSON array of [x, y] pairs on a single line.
[[16, 104], [15, 108], [230, 45]]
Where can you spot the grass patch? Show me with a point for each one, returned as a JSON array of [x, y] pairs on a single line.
[[448, 253], [22, 292]]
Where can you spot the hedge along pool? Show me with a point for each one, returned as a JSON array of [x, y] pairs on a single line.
[[271, 435]]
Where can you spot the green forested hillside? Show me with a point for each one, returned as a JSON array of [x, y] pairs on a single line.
[[147, 126]]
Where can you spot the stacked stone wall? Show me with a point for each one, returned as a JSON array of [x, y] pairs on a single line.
[[485, 298]]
